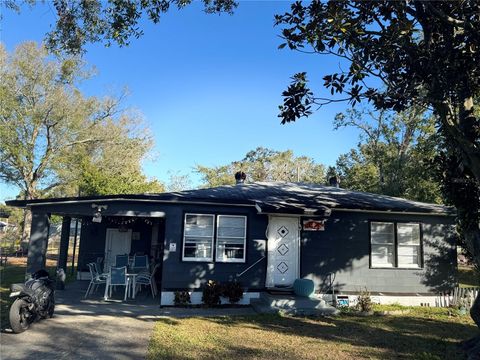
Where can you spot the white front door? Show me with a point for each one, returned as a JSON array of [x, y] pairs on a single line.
[[283, 251], [117, 243]]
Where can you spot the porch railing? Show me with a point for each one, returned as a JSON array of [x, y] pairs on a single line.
[[251, 266]]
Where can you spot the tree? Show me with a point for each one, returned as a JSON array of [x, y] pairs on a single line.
[[264, 164], [391, 150], [178, 182], [110, 21], [49, 130], [396, 55]]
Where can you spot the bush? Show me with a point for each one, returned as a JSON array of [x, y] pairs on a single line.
[[233, 291], [182, 298], [211, 293], [364, 301]]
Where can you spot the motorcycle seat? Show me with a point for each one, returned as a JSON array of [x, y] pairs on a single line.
[[18, 287]]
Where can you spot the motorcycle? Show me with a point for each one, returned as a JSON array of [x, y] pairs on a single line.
[[35, 300]]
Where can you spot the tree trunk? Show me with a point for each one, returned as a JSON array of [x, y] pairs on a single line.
[[26, 226]]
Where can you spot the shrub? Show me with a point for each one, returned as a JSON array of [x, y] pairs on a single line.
[[233, 291], [182, 298], [364, 301], [211, 293]]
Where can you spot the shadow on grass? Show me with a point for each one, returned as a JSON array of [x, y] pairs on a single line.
[[392, 336]]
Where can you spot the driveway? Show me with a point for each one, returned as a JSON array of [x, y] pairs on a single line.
[[95, 329], [69, 335]]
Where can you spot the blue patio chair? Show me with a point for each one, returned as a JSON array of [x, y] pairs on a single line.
[[118, 277], [96, 279], [121, 260], [148, 280], [140, 264]]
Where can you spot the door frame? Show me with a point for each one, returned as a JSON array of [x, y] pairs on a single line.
[[269, 276]]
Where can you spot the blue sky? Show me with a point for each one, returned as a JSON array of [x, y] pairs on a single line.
[[208, 86]]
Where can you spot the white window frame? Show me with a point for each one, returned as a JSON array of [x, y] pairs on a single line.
[[392, 244], [419, 246], [396, 245], [195, 259], [232, 260]]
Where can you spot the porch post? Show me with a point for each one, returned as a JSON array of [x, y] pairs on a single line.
[[63, 251], [37, 247]]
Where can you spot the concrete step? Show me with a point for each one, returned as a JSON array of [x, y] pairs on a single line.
[[291, 301], [262, 308], [291, 304]]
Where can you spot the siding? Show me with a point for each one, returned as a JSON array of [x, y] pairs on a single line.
[[178, 274], [343, 249]]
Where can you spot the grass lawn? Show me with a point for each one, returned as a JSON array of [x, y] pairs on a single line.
[[467, 276], [424, 333]]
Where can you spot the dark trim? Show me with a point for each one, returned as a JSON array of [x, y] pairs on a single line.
[[422, 264], [395, 243]]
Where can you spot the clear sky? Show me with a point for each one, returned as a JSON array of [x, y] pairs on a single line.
[[208, 86]]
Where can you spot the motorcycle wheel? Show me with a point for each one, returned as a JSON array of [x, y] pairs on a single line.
[[19, 319]]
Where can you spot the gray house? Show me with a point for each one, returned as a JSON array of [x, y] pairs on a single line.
[[264, 235]]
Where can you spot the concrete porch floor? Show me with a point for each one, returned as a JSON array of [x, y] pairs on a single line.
[[71, 301]]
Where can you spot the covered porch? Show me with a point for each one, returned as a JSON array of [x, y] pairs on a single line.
[[109, 227]]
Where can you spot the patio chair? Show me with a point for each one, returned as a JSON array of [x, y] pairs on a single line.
[[121, 260], [118, 277], [96, 279], [140, 264], [148, 280], [98, 267]]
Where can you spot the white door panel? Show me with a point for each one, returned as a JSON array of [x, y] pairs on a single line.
[[283, 251], [116, 243]]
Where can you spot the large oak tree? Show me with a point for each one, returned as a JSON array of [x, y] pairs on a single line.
[[54, 141], [397, 55]]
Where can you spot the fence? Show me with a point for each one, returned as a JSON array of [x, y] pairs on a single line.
[[460, 297]]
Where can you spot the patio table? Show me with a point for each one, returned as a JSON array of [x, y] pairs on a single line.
[[132, 284]]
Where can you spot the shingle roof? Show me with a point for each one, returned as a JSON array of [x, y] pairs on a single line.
[[296, 197], [280, 197]]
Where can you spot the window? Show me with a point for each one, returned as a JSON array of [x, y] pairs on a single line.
[[199, 235], [395, 245], [231, 235], [383, 244], [408, 237]]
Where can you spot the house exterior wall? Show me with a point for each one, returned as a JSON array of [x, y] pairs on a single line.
[[343, 250], [180, 275]]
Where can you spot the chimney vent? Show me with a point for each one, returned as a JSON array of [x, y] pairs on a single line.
[[334, 181], [240, 177]]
